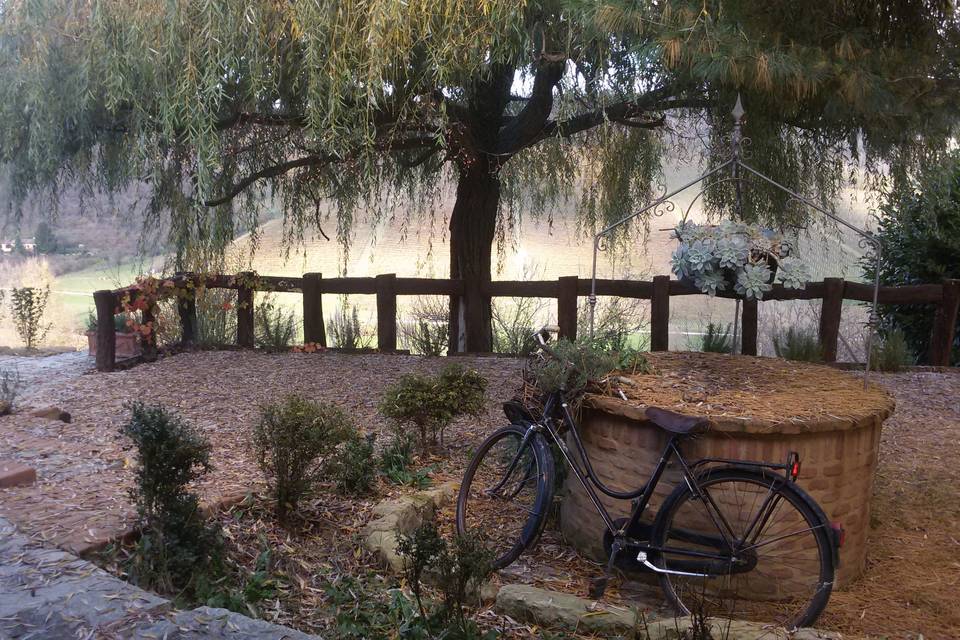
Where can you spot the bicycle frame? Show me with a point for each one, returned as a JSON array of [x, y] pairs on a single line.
[[556, 403]]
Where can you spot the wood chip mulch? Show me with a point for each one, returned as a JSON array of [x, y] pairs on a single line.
[[909, 587]]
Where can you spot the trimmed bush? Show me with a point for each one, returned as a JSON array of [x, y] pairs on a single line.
[[292, 441], [353, 468], [177, 550], [431, 403]]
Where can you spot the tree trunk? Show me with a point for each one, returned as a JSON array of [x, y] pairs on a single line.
[[472, 228]]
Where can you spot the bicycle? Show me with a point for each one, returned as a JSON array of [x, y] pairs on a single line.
[[702, 547]]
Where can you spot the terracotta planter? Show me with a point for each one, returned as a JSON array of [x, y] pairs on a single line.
[[128, 345]]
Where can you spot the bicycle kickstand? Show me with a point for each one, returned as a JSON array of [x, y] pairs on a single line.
[[598, 586]]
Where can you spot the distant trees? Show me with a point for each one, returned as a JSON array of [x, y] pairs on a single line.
[[44, 238]]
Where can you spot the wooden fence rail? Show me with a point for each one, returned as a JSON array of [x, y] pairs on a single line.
[[832, 291]]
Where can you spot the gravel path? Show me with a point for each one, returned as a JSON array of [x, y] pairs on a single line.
[[40, 374]]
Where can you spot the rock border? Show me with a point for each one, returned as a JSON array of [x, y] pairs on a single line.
[[568, 612], [402, 516]]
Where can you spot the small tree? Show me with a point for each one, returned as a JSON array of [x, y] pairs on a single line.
[[27, 306], [292, 441], [176, 545], [431, 403]]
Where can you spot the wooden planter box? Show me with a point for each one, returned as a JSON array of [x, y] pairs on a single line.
[[128, 345]]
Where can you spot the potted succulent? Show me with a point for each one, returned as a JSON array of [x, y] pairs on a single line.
[[128, 339], [735, 256]]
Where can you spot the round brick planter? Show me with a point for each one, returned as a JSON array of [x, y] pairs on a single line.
[[838, 453]]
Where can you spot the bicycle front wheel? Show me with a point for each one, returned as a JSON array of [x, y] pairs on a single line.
[[506, 492], [746, 545]]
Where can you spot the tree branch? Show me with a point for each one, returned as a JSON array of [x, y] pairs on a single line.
[[624, 112], [526, 125], [241, 118], [270, 172], [319, 159]]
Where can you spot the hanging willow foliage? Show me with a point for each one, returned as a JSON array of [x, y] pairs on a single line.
[[226, 108]]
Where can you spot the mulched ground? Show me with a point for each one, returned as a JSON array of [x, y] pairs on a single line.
[[909, 588]]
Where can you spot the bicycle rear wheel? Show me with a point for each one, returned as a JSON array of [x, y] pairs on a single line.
[[765, 544], [506, 492]]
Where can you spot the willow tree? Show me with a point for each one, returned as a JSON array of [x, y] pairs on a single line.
[[226, 108]]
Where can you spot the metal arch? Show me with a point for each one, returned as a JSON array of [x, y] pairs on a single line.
[[735, 163]]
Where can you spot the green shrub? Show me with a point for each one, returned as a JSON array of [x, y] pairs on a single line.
[[275, 328], [27, 307], [431, 403], [353, 468], [580, 361], [514, 322], [292, 440], [798, 344], [397, 463], [9, 389], [177, 550], [716, 339], [427, 332], [458, 569], [891, 353], [216, 317], [615, 321], [919, 233], [344, 329], [119, 323]]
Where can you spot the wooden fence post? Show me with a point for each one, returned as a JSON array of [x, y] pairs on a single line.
[[945, 324], [748, 327], [187, 307], [453, 328], [660, 314], [830, 312], [313, 329], [567, 307], [387, 312], [245, 310], [105, 302]]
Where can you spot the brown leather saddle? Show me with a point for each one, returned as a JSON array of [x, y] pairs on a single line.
[[678, 423]]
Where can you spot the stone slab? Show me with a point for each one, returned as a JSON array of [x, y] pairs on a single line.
[[215, 624], [50, 594], [14, 474]]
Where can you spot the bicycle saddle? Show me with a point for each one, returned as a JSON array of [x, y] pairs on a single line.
[[678, 423]]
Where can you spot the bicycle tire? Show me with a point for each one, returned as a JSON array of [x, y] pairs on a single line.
[[537, 516], [818, 528]]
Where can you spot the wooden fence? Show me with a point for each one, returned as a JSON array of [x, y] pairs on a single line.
[[566, 290]]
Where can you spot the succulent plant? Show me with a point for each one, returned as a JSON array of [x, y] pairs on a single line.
[[708, 254], [753, 281], [793, 273], [679, 263], [711, 282]]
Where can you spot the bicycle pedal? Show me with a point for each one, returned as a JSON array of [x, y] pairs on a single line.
[[598, 587]]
